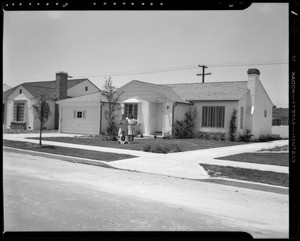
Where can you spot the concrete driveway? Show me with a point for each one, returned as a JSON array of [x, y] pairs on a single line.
[[182, 164]]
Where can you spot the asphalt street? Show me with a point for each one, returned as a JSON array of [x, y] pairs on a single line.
[[43, 194]]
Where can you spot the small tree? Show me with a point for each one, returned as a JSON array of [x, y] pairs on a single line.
[[184, 128], [232, 125], [112, 95], [42, 112]]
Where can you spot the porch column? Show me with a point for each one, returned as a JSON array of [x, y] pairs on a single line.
[[122, 108]]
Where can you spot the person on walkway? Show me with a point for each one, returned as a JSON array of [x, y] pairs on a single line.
[[131, 123]]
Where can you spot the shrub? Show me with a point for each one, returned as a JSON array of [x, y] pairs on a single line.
[[184, 129], [245, 137], [167, 135], [263, 138], [201, 134], [162, 148], [137, 130], [232, 125], [147, 148]]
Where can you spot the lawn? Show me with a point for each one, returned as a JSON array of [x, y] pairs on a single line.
[[96, 155], [277, 148], [278, 159], [267, 177], [137, 144], [15, 131]]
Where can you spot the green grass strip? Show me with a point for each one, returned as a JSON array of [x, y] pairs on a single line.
[[277, 159], [267, 177], [66, 151]]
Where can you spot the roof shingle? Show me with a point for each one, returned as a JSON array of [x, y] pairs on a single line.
[[47, 88], [211, 91]]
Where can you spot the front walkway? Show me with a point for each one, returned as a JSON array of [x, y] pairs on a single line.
[[181, 164]]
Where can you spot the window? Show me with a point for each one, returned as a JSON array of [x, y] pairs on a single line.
[[20, 91], [213, 116], [131, 109], [276, 122], [242, 118], [19, 111], [86, 88], [79, 114], [285, 121]]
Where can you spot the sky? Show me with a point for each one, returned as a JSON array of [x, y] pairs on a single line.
[[160, 47]]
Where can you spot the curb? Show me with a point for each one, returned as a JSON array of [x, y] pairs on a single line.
[[61, 157], [249, 185]]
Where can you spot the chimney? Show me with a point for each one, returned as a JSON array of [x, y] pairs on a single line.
[[253, 74], [253, 79], [61, 85]]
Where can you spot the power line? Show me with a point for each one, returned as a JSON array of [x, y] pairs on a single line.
[[248, 64], [170, 69]]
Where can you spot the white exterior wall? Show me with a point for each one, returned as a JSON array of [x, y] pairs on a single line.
[[229, 106], [167, 118], [180, 110], [89, 125], [151, 119], [282, 131], [247, 120], [79, 89], [261, 125], [50, 123]]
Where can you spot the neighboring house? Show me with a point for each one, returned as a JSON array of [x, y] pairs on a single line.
[[280, 123], [157, 107], [17, 101]]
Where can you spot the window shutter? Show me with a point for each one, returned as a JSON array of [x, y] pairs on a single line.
[[83, 114], [15, 112], [74, 114]]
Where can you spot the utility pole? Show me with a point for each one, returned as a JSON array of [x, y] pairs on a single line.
[[203, 72]]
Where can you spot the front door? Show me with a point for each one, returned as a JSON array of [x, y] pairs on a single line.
[[159, 117]]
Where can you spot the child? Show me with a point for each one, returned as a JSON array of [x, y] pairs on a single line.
[[123, 139]]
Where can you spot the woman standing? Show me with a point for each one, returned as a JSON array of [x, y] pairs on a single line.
[[131, 123]]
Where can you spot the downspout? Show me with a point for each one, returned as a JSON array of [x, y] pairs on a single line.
[[101, 107], [173, 110]]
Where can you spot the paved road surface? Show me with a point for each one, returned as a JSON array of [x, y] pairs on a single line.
[[42, 194]]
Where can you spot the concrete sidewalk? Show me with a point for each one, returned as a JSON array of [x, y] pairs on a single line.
[[181, 164]]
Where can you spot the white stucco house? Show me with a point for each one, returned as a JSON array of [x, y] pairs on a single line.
[[17, 101], [157, 107]]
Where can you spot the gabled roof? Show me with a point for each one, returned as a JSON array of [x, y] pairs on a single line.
[[97, 96], [164, 90], [47, 88], [279, 113], [6, 87], [233, 90]]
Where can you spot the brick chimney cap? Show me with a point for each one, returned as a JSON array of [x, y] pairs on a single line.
[[61, 72], [253, 71]]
